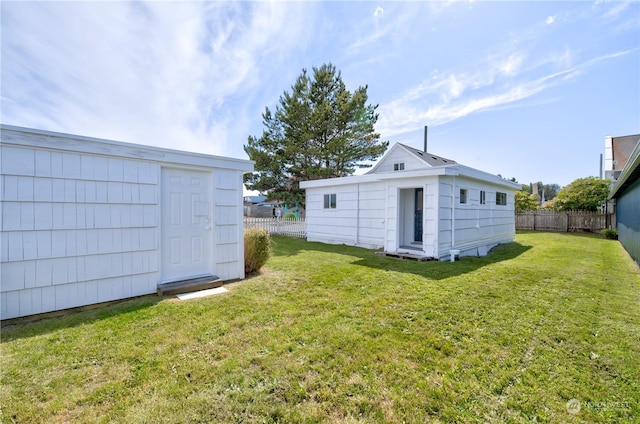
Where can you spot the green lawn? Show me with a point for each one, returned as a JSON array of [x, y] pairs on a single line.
[[338, 334]]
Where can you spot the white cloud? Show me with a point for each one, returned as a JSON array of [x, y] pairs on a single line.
[[550, 20], [433, 103], [150, 73], [511, 65], [455, 86], [374, 29], [617, 10]]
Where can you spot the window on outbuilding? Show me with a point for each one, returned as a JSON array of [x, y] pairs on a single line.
[[483, 197], [463, 196], [501, 198], [398, 166], [330, 201]]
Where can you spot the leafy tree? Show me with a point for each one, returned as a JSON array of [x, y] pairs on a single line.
[[582, 194], [318, 130], [552, 205], [525, 201]]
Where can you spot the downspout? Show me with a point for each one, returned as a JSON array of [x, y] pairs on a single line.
[[453, 212]]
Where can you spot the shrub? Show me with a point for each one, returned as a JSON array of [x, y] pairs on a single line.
[[610, 234], [257, 249], [585, 194], [525, 201], [290, 216]]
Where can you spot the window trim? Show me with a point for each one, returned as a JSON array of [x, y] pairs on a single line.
[[500, 198], [330, 201], [464, 195]]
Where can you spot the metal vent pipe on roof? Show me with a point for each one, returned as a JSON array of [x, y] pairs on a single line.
[[426, 127]]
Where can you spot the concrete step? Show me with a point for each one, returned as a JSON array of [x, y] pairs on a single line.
[[190, 285], [411, 256]]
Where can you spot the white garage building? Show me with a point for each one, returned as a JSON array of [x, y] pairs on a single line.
[[86, 220]]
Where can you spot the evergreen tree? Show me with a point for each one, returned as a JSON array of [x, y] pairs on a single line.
[[319, 130]]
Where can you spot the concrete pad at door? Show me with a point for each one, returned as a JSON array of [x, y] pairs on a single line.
[[201, 293]]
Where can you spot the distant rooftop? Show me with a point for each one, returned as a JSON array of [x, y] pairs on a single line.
[[255, 199]]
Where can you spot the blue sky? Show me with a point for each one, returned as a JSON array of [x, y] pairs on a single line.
[[522, 89]]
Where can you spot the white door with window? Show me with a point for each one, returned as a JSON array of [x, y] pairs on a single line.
[[186, 224]]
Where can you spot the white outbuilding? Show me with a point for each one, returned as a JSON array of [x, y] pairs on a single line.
[[416, 204], [86, 220]]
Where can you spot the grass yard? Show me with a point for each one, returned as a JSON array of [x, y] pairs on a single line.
[[545, 329]]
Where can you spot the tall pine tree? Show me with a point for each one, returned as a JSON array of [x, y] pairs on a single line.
[[319, 130]]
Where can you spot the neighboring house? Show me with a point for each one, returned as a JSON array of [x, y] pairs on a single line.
[[254, 207], [416, 203], [626, 193], [617, 151], [260, 207], [254, 200], [86, 221]]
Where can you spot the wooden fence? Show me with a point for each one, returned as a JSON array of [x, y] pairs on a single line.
[[565, 221], [290, 227]]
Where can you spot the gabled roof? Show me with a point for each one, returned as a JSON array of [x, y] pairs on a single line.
[[435, 166], [427, 157]]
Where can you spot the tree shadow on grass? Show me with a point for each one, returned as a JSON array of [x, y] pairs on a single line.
[[36, 325], [435, 270]]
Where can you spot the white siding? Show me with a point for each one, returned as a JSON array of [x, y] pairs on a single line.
[[377, 222], [74, 233], [478, 227], [358, 219], [387, 217], [82, 227], [229, 230], [398, 155], [431, 234], [397, 225], [391, 210]]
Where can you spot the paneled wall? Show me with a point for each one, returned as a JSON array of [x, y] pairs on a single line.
[[358, 218], [80, 218], [76, 229], [478, 226], [229, 228]]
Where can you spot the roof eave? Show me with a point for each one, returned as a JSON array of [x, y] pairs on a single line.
[[32, 137], [365, 178]]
